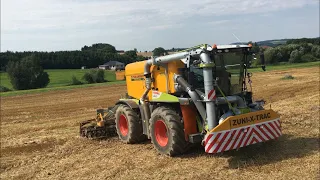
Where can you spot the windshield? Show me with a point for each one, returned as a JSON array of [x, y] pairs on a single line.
[[229, 72]]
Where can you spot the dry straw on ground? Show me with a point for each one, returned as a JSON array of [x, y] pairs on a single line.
[[39, 138]]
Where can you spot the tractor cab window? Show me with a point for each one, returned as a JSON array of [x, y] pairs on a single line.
[[229, 72], [196, 77]]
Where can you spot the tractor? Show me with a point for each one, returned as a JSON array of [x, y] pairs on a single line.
[[201, 95]]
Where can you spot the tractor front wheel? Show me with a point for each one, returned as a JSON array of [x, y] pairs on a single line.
[[167, 133], [128, 125]]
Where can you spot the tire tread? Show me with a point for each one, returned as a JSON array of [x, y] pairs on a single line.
[[174, 123], [135, 132]]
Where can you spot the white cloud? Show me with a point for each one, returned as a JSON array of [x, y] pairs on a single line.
[[39, 14], [125, 16], [218, 22]]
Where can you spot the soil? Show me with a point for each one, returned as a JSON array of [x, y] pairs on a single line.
[[40, 138]]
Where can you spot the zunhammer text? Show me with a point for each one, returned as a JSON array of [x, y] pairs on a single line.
[[250, 119]]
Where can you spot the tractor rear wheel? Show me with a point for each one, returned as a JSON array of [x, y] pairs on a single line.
[[167, 133], [128, 125]]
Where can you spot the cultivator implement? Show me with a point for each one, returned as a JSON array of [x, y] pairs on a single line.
[[103, 126]]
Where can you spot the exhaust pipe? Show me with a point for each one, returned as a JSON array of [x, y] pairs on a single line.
[[208, 86]]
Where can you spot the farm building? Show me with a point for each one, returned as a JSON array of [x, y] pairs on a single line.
[[112, 65], [120, 51]]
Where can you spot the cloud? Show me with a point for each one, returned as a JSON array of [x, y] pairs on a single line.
[[39, 14], [218, 22], [111, 17]]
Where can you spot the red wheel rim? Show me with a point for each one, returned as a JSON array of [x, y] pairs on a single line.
[[160, 132], [123, 125]]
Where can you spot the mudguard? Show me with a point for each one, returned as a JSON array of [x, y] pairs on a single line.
[[243, 130], [132, 103]]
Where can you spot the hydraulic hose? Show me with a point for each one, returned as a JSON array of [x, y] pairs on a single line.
[[194, 96]]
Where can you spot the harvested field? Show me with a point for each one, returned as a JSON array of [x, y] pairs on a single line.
[[39, 138]]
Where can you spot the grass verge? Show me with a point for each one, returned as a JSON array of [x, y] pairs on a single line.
[[285, 66], [32, 91], [60, 79]]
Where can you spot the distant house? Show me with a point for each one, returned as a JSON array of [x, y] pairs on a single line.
[[265, 47], [120, 51], [112, 65], [145, 54]]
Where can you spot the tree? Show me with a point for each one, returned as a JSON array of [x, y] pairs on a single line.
[[97, 54], [295, 56], [103, 47], [272, 55], [308, 58], [84, 48], [315, 51], [159, 51], [4, 89], [27, 74], [141, 58], [75, 81], [255, 47], [94, 76], [315, 41], [132, 54]]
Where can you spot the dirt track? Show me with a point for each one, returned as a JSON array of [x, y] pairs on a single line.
[[39, 138]]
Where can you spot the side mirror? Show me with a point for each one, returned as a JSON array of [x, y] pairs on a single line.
[[254, 56], [263, 66]]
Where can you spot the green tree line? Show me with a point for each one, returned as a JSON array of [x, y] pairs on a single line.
[[89, 56], [294, 51], [304, 40]]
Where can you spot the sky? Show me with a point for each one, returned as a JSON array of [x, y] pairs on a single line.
[[54, 25]]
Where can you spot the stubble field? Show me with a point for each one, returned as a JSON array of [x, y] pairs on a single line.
[[40, 140]]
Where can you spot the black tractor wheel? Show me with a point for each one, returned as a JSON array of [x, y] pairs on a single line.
[[128, 125], [167, 133]]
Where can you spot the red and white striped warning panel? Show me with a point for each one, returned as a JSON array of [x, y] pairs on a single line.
[[236, 138], [212, 95]]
